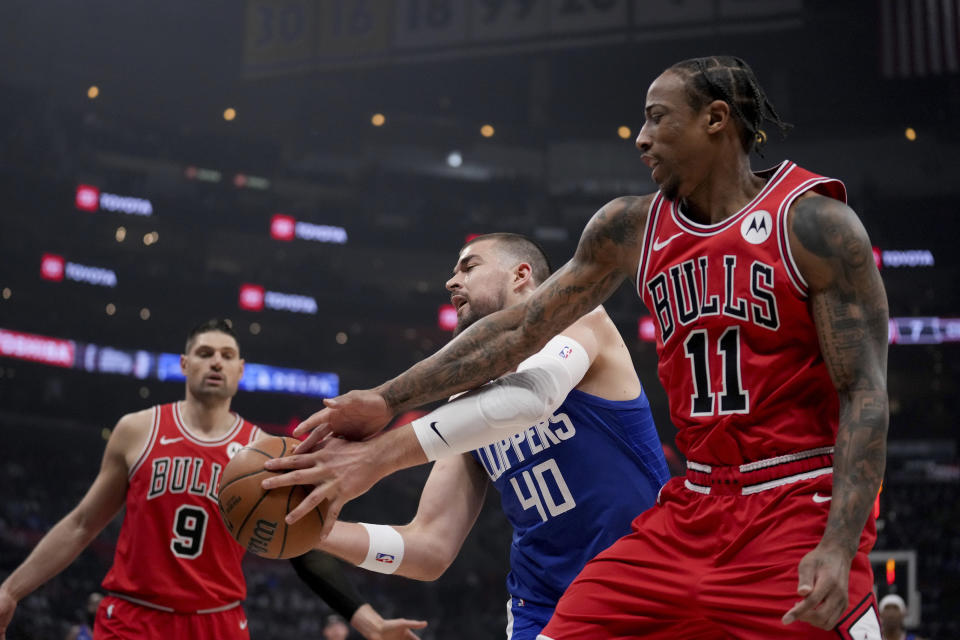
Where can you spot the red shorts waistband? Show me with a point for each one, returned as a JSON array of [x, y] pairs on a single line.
[[160, 607], [753, 477]]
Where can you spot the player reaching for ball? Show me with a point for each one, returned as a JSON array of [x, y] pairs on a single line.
[[771, 322], [176, 571], [568, 441]]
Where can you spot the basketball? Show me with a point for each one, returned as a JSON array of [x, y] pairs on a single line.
[[255, 517]]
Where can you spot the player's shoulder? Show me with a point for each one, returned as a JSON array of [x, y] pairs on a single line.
[[132, 429], [823, 225], [137, 420], [614, 233], [632, 210]]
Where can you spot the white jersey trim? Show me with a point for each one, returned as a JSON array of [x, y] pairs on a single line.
[[696, 487], [653, 216], [779, 482], [510, 619], [148, 445], [697, 229], [790, 457], [185, 430], [786, 254]]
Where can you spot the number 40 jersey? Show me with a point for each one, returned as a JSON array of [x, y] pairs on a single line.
[[174, 552], [570, 487]]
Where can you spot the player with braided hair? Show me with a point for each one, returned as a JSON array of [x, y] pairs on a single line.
[[771, 334], [730, 79]]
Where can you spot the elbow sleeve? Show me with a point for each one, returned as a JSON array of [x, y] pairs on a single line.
[[507, 405]]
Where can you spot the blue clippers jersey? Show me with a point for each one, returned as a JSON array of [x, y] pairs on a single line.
[[572, 485]]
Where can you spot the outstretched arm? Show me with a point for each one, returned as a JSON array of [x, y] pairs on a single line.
[[606, 255], [449, 505], [324, 575], [850, 311], [64, 542], [340, 470]]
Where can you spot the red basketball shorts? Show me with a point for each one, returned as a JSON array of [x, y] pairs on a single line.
[[712, 566], [119, 619]]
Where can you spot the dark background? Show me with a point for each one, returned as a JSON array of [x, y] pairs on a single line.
[[851, 77]]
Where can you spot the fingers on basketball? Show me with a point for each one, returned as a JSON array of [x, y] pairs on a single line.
[[254, 516]]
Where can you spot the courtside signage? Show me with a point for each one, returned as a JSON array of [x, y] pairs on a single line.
[[90, 198], [254, 297], [59, 352], [27, 346], [285, 228], [55, 269], [898, 258]]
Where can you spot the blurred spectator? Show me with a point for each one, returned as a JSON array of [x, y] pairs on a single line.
[[892, 612]]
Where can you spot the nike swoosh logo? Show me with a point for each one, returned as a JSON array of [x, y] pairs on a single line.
[[433, 425], [243, 624], [819, 498], [164, 440], [657, 245]]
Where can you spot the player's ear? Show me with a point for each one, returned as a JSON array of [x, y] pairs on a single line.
[[522, 274], [183, 363], [718, 116]]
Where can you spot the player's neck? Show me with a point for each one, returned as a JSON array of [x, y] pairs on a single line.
[[207, 419], [727, 189]]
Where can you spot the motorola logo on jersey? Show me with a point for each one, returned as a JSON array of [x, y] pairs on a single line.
[[285, 228], [756, 227], [90, 198], [55, 269], [233, 448]]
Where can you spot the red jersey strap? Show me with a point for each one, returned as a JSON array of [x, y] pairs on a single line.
[[151, 439], [232, 433], [649, 237]]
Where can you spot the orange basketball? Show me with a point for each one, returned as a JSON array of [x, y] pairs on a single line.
[[254, 517]]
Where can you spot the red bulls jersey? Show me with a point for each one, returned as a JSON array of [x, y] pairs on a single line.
[[174, 551], [738, 352]]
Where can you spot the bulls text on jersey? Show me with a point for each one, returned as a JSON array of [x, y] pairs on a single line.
[[680, 293], [184, 474]]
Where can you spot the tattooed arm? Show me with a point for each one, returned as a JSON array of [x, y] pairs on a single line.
[[608, 253], [502, 340], [849, 308]]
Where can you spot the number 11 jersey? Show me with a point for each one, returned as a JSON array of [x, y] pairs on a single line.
[[738, 352]]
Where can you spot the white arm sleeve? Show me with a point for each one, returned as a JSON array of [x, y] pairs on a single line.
[[506, 406]]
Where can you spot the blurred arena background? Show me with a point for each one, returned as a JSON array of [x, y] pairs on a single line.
[[310, 169]]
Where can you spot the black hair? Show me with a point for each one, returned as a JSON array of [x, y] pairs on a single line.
[[730, 79], [521, 248], [223, 325]]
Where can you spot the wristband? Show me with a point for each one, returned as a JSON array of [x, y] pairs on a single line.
[[385, 552]]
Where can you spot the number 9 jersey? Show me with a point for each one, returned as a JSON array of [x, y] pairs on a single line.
[[174, 552]]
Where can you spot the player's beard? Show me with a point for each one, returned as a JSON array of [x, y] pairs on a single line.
[[480, 308], [220, 392], [670, 188]]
